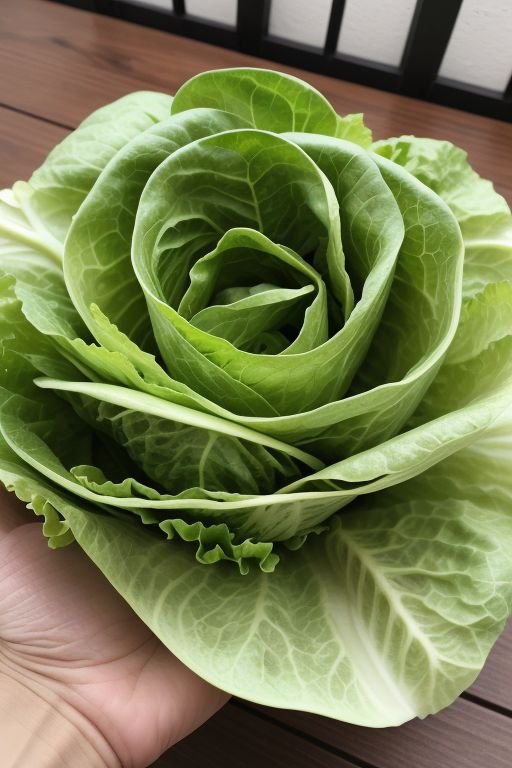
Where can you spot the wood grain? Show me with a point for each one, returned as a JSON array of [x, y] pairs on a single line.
[[60, 63], [25, 142], [236, 738], [463, 736]]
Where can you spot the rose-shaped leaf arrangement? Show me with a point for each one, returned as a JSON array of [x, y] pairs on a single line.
[[261, 370]]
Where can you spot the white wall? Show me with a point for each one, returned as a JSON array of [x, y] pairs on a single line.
[[376, 29], [480, 49], [304, 21], [218, 10]]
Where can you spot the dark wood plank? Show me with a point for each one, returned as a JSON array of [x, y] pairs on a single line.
[[463, 736], [237, 738], [61, 63], [494, 683], [25, 142]]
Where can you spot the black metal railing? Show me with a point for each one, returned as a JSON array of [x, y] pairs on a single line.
[[416, 75]]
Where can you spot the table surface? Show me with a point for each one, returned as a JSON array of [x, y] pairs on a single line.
[[57, 65]]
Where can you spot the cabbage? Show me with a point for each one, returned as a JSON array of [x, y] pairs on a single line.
[[260, 369]]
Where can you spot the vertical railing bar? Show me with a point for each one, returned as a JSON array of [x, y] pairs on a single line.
[[179, 7], [252, 23], [429, 35], [333, 27]]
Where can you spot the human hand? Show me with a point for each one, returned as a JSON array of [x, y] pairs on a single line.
[[68, 637]]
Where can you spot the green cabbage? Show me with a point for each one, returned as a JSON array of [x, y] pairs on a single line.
[[261, 370]]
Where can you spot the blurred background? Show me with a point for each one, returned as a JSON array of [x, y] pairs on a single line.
[[453, 52]]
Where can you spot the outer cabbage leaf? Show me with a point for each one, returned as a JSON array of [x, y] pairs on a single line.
[[445, 169], [57, 189], [352, 128], [400, 599]]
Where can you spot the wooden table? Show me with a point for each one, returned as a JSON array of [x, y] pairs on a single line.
[[57, 65]]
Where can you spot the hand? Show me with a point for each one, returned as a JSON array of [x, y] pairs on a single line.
[[65, 632]]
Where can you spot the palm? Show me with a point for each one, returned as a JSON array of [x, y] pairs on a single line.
[[61, 621]]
